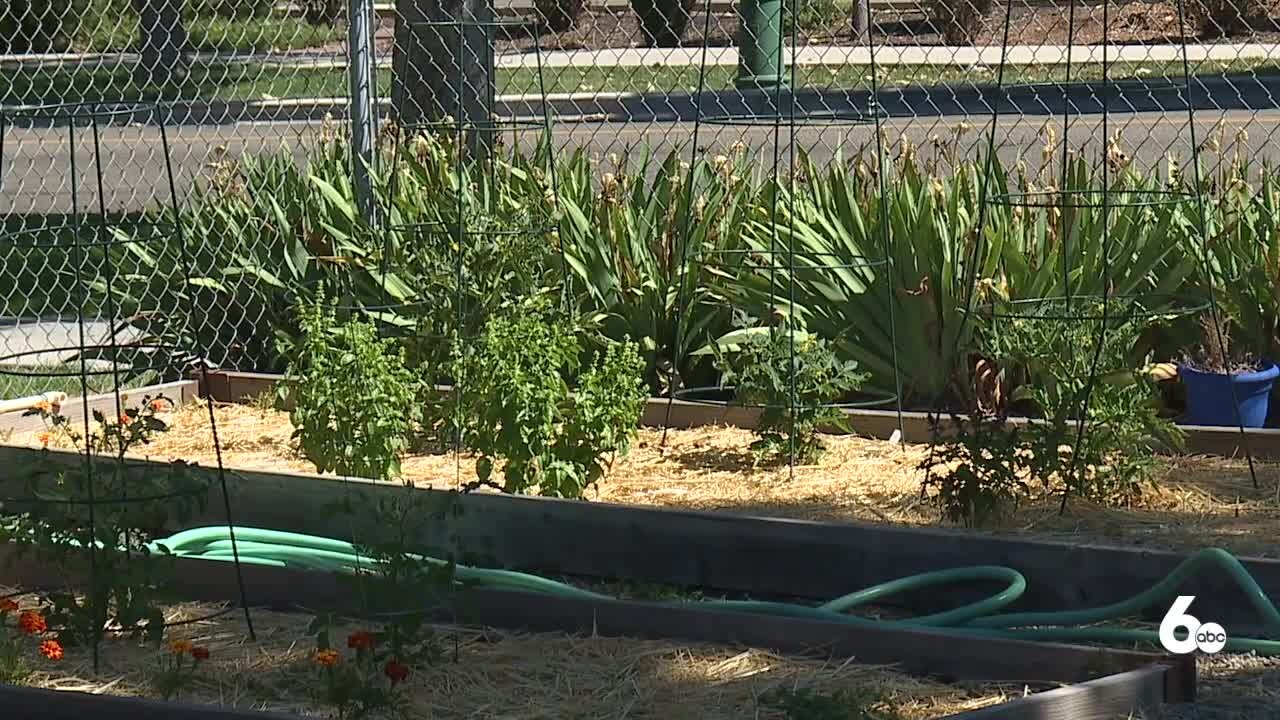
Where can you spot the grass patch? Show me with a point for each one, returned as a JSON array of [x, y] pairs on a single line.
[[251, 81], [16, 386], [207, 34], [112, 26]]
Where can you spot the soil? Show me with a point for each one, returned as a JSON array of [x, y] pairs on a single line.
[[1130, 23], [485, 673], [1195, 501]]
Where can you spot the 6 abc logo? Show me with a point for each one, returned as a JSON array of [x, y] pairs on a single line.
[[1208, 638]]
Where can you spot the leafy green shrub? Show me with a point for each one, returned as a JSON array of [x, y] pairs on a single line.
[[761, 373], [233, 9], [128, 589], [28, 26], [354, 399], [529, 402], [977, 476], [1064, 356], [1054, 358], [816, 15], [636, 266]]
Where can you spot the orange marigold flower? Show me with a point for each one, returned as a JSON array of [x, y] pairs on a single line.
[[397, 671], [360, 640], [180, 647], [200, 652], [45, 438], [159, 405], [51, 649], [8, 605], [327, 658], [32, 622]]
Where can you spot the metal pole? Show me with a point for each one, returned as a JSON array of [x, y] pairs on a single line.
[[360, 66], [760, 64]]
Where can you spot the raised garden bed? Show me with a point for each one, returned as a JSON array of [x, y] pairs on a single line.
[[1004, 679], [1197, 501], [714, 550]]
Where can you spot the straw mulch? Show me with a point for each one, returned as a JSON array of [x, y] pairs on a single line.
[[1196, 502], [490, 674]]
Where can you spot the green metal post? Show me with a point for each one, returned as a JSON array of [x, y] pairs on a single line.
[[760, 45]]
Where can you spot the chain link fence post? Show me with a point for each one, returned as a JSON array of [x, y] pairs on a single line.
[[362, 110]]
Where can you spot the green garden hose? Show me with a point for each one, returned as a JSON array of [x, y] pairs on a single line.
[[982, 618]]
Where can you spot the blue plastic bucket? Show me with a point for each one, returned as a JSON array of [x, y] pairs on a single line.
[[1210, 396]]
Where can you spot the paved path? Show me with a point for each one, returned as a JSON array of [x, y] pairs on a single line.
[[36, 175], [692, 56]]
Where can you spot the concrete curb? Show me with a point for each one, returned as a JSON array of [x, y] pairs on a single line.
[[963, 56]]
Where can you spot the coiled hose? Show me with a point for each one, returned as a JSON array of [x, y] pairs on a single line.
[[981, 618]]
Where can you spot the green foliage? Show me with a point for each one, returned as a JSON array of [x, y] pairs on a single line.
[[639, 269], [528, 401], [814, 16], [834, 220], [793, 378], [29, 26], [808, 704], [1062, 362], [271, 234], [1243, 264], [649, 260], [127, 589], [234, 9], [14, 668], [354, 399], [1060, 357], [978, 475]]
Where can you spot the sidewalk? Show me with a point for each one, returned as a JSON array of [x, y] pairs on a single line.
[[693, 56]]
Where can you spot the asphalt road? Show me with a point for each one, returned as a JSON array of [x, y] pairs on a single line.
[[36, 174]]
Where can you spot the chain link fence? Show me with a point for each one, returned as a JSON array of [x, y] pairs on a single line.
[[241, 78]]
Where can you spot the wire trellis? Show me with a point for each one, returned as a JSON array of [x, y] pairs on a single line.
[[100, 486], [783, 116], [1101, 313]]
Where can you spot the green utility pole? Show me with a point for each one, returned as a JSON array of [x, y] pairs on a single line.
[[760, 62]]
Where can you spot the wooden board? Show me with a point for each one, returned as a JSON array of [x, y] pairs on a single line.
[[942, 655], [180, 392], [1134, 694], [25, 703], [1263, 443], [760, 556]]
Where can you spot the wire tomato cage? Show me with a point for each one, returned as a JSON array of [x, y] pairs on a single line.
[[97, 509], [1092, 278], [782, 251]]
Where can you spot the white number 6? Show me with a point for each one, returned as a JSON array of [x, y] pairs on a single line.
[[1177, 618]]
